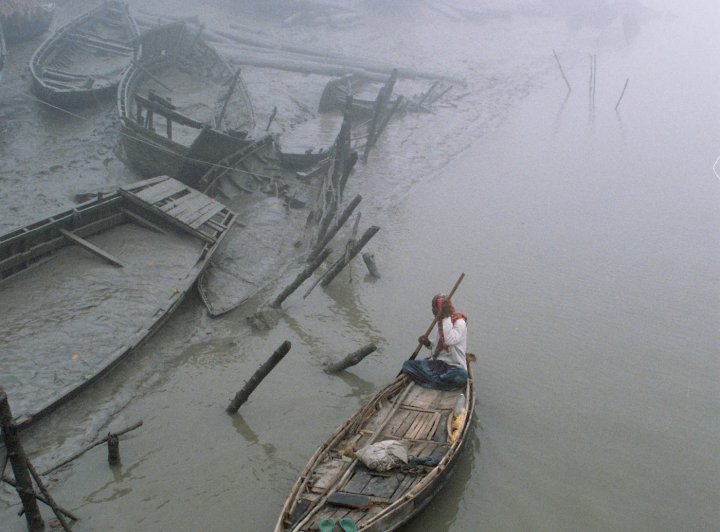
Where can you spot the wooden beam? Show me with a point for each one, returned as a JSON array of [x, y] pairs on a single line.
[[91, 247], [168, 113], [142, 221]]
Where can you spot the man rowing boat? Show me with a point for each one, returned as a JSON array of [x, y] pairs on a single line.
[[446, 368]]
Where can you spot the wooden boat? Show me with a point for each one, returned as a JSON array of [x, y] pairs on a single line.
[[83, 288], [336, 91], [182, 106], [84, 60], [27, 23], [336, 485], [272, 202]]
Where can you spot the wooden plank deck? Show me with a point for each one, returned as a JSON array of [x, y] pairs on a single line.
[[184, 207]]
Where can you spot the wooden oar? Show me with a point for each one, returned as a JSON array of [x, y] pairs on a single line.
[[454, 288]]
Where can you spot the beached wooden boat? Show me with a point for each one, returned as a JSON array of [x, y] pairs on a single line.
[[182, 106], [84, 60], [336, 92], [272, 202], [83, 288], [22, 24], [335, 485]]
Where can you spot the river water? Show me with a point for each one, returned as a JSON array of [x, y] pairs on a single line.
[[590, 247]]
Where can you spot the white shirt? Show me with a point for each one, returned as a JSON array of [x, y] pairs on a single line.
[[455, 340]]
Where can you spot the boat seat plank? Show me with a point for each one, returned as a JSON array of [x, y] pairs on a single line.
[[358, 481], [188, 205], [198, 222], [383, 486], [326, 474], [91, 247], [142, 221], [161, 191]]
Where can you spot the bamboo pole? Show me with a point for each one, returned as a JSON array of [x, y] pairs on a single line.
[[259, 375], [622, 93], [562, 71], [42, 499]]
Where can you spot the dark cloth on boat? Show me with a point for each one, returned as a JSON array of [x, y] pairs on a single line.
[[436, 374]]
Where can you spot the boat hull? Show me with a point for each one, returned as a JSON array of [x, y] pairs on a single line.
[[335, 484], [84, 288], [83, 61]]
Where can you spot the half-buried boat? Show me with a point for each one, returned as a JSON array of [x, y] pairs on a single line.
[[182, 106], [83, 288]]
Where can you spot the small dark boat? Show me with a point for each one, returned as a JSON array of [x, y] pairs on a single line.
[[182, 106], [83, 288], [335, 485], [84, 60], [33, 19]]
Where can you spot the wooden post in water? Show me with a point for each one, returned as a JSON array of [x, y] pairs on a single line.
[[354, 250], [350, 360], [622, 93], [50, 501], [562, 71], [18, 461], [113, 449], [333, 231], [369, 260], [307, 272], [259, 375]]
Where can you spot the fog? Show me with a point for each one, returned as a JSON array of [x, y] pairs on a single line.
[[585, 219]]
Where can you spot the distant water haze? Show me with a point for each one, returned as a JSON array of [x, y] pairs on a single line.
[[589, 239]]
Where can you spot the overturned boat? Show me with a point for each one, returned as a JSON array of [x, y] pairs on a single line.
[[84, 60], [83, 288], [182, 106]]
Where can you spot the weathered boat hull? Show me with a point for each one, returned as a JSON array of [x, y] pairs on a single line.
[[177, 96], [335, 484], [141, 224], [84, 60]]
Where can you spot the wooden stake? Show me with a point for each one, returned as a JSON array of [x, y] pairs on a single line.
[[369, 260], [18, 461], [622, 93], [113, 449], [351, 359], [333, 231], [91, 446], [354, 250], [259, 375], [42, 499], [50, 501], [562, 71], [307, 272]]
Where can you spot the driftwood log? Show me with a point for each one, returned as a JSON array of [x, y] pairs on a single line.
[[259, 375], [351, 359]]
